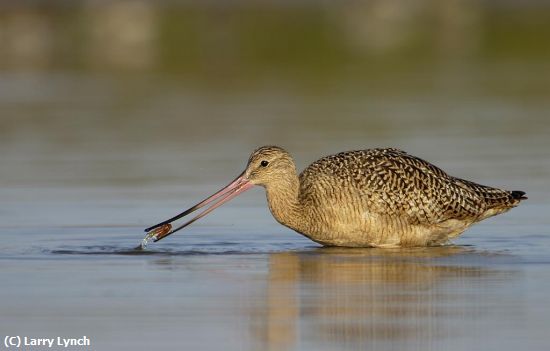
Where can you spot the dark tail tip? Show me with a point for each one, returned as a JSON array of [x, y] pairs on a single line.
[[519, 195]]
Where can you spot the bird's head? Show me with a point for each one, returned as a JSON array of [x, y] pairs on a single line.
[[269, 164]]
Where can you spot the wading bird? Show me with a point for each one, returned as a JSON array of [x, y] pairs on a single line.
[[365, 198]]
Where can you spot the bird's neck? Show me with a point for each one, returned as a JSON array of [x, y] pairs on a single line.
[[284, 203]]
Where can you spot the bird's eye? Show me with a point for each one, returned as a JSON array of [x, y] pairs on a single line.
[[264, 163]]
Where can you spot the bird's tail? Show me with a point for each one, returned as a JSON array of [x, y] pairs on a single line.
[[518, 195], [496, 200]]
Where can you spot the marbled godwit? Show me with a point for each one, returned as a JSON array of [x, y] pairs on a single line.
[[366, 198]]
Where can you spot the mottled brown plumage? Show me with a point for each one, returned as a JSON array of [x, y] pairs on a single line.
[[377, 197], [364, 198]]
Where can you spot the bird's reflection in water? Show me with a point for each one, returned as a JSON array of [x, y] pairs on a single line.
[[336, 298]]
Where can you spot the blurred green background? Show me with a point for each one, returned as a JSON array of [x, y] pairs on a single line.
[[319, 45]]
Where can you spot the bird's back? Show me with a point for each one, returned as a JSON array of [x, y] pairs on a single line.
[[401, 189]]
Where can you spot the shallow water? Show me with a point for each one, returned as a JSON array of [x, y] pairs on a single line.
[[216, 288], [93, 151], [73, 210]]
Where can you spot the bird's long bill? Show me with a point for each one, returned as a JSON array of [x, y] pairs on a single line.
[[236, 187]]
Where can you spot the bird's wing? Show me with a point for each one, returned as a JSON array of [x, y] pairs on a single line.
[[392, 182]]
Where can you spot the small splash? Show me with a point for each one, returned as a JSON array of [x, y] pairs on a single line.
[[155, 234], [144, 242]]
